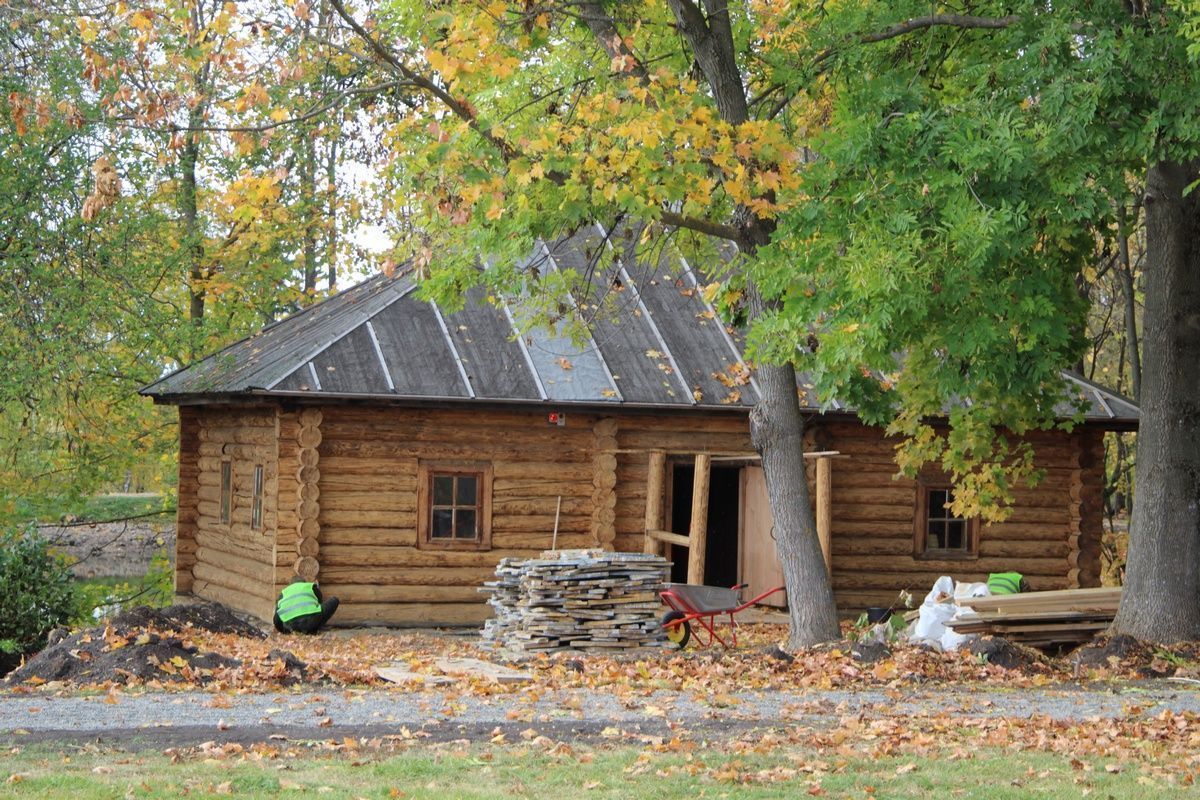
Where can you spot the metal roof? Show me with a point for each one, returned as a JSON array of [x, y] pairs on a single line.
[[658, 343]]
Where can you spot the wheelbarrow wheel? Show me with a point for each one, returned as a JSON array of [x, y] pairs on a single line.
[[680, 633]]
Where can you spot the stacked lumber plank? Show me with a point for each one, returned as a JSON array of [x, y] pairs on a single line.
[[1041, 619], [593, 601]]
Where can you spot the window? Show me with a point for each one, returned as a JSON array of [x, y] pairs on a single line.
[[257, 504], [939, 533], [226, 491], [454, 505]]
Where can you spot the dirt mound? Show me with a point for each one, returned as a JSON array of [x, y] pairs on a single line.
[[1003, 653], [207, 616], [146, 644], [100, 655]]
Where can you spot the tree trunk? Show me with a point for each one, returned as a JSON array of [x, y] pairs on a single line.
[[189, 211], [1161, 601], [308, 206], [776, 427], [1125, 271], [777, 431]]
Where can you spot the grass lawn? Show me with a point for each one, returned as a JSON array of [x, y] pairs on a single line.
[[454, 771]]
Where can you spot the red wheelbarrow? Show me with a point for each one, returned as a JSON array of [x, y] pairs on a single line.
[[690, 602]]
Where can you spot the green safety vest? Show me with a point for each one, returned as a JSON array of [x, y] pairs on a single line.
[[1005, 582], [297, 600]]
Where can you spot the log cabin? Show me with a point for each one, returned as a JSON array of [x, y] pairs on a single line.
[[395, 451]]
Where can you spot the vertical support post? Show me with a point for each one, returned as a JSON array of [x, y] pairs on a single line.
[[698, 532], [655, 477], [825, 509]]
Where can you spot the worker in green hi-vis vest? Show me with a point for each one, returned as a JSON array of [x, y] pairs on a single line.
[[1007, 583], [301, 608]]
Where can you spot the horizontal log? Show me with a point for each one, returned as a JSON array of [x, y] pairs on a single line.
[[264, 436], [345, 466], [541, 541], [853, 546], [481, 429], [256, 549], [919, 583], [263, 589], [383, 537], [392, 481], [531, 487], [554, 469], [397, 573], [1003, 548], [532, 523], [1027, 566], [669, 538], [361, 593], [260, 607], [244, 452], [412, 614], [365, 518], [374, 501], [257, 570], [544, 506], [458, 447]]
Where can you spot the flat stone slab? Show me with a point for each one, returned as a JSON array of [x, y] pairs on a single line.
[[474, 668], [405, 676]]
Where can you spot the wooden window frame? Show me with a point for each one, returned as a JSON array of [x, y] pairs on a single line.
[[921, 527], [426, 472], [225, 512], [256, 503]]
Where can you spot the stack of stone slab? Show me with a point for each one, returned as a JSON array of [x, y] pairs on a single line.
[[593, 601]]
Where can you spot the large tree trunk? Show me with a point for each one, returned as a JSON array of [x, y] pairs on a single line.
[[1161, 601], [777, 431], [776, 427]]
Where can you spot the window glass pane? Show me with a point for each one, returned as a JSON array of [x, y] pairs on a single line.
[[443, 524], [466, 490], [256, 506], [937, 503], [954, 534], [226, 490], [465, 528], [443, 490]]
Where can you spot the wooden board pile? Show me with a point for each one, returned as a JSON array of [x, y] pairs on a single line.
[[1041, 619], [594, 601]]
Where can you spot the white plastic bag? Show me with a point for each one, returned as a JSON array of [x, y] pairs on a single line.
[[936, 611]]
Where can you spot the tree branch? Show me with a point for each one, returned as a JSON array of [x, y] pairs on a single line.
[[459, 109], [939, 20]]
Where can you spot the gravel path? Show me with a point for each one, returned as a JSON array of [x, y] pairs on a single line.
[[166, 719]]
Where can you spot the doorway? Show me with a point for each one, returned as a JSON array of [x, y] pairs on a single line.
[[724, 513]]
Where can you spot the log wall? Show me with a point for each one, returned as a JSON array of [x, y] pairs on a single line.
[[187, 513], [368, 551], [341, 504], [1052, 535], [232, 563]]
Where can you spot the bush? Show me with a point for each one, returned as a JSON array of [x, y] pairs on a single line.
[[37, 592]]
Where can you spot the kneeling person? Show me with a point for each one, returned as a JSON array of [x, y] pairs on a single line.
[[301, 609]]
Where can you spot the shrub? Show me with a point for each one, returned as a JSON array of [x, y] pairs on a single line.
[[37, 591]]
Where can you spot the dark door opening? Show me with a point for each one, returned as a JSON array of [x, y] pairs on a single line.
[[721, 552]]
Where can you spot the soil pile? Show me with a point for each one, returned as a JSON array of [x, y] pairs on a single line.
[[146, 645]]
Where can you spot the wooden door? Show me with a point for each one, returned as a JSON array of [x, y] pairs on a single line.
[[756, 548]]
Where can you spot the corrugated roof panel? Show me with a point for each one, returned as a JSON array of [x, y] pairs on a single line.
[[568, 372], [690, 329], [298, 381], [417, 354], [351, 366], [494, 362], [628, 345]]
